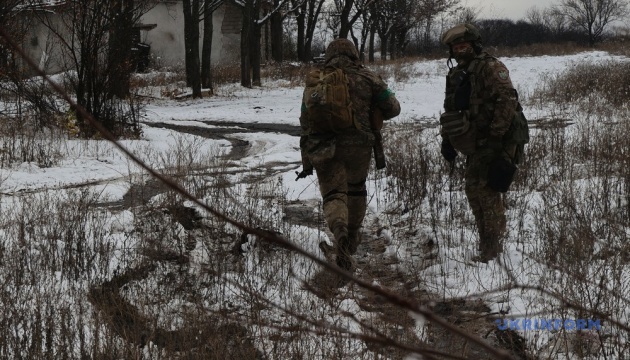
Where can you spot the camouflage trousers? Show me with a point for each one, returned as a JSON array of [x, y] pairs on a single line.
[[342, 185], [486, 204]]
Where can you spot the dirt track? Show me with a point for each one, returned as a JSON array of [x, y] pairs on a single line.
[[372, 262]]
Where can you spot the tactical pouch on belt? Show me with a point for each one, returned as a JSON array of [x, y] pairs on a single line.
[[501, 174], [460, 130], [320, 149]]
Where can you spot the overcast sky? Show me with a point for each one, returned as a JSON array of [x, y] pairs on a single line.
[[511, 9]]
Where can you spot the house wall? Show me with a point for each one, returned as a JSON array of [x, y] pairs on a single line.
[[167, 38], [42, 47]]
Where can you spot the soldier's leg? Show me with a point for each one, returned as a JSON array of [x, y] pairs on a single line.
[[494, 220], [487, 207], [357, 205], [357, 164], [493, 209], [473, 196], [333, 186]]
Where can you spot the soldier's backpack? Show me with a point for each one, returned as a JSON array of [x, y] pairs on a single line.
[[518, 134], [327, 101]]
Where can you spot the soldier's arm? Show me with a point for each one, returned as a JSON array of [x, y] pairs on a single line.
[[387, 102], [504, 96], [384, 98]]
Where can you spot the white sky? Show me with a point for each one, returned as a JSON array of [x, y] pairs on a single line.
[[512, 9]]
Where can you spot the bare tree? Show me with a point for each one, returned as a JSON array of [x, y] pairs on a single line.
[[20, 97], [593, 16], [250, 37], [428, 11], [198, 74], [393, 20], [467, 15], [556, 20], [9, 23], [344, 14], [191, 45], [83, 30], [206, 50], [14, 26], [275, 33], [123, 14], [535, 16], [307, 14]]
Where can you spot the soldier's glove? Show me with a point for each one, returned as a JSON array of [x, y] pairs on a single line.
[[303, 174], [448, 151]]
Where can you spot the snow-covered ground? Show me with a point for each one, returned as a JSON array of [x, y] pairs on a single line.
[[451, 276]]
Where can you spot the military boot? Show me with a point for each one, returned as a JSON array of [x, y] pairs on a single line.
[[354, 240], [344, 258], [489, 248]]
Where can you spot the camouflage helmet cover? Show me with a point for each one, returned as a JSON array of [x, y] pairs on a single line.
[[461, 33], [341, 46]]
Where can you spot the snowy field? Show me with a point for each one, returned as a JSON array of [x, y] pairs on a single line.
[[425, 246]]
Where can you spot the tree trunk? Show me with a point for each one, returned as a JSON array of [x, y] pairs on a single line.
[[371, 43], [187, 9], [255, 45], [384, 45], [427, 35], [191, 41], [344, 29], [276, 35], [120, 59], [206, 51], [308, 49], [301, 30], [246, 35], [393, 47]]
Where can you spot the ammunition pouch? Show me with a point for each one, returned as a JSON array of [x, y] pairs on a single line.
[[320, 149], [460, 130], [501, 174]]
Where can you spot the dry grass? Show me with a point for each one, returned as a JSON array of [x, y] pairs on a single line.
[[163, 280]]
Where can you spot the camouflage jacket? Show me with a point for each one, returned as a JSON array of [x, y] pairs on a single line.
[[367, 89], [489, 96]]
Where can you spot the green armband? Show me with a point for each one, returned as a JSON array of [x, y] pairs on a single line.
[[384, 95]]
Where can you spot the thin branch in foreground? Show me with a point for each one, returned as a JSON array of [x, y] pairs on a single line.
[[393, 298]]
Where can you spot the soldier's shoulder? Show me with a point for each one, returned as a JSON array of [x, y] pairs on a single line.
[[491, 60], [495, 69], [369, 74], [490, 63]]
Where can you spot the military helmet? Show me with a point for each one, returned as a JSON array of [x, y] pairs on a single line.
[[461, 33], [341, 47]]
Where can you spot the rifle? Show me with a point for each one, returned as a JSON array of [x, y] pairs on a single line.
[[376, 120]]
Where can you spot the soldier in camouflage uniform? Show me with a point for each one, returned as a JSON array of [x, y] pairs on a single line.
[[480, 87], [342, 160]]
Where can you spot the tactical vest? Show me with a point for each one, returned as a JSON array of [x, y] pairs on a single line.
[[460, 121], [464, 95]]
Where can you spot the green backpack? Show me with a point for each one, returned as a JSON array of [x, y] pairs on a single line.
[[327, 101]]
